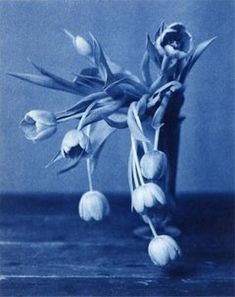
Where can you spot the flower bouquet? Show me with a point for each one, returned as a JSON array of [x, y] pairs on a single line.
[[110, 98]]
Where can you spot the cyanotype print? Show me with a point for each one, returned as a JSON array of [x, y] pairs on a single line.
[[117, 172]]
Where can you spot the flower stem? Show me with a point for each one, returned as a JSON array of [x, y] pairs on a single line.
[[89, 174], [141, 128], [156, 139], [135, 156], [151, 226]]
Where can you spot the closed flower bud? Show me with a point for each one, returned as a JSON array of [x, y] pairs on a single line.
[[146, 196], [38, 124], [163, 249], [75, 142], [82, 46], [93, 205], [153, 165]]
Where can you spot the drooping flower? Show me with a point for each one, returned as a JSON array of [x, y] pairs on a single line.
[[74, 143], [38, 124], [146, 196], [175, 41], [93, 205], [153, 164], [163, 249]]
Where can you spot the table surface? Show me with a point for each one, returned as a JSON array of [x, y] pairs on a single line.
[[46, 250]]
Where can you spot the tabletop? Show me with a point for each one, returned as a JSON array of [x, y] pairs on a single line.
[[46, 250]]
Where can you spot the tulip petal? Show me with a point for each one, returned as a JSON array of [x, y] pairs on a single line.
[[159, 194]]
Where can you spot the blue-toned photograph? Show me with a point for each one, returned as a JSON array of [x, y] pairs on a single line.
[[117, 155]]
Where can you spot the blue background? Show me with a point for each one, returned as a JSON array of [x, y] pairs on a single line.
[[34, 29]]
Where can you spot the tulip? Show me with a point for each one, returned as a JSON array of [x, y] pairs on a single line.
[[174, 42], [93, 205], [146, 196], [38, 124], [75, 143], [153, 165], [163, 249], [82, 46]]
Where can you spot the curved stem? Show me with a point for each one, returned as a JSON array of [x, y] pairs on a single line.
[[135, 156], [85, 114], [141, 128]]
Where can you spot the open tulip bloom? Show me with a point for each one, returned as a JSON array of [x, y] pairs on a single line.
[[110, 98]]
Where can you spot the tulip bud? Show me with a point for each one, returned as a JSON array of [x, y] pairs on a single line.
[[82, 46], [163, 249], [74, 143], [38, 124], [153, 165], [93, 205], [146, 196]]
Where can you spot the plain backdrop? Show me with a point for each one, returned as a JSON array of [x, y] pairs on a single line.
[[34, 29]]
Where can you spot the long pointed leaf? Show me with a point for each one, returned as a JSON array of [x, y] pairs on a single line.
[[194, 57], [72, 164], [101, 62], [99, 133], [43, 81], [56, 158], [56, 78], [145, 69], [153, 53]]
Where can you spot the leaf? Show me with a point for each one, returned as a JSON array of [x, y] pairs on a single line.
[[99, 113], [145, 69], [91, 71], [56, 158], [99, 133], [72, 164], [90, 81], [153, 53], [100, 61], [126, 80], [85, 101], [56, 78], [117, 120], [160, 112], [142, 104], [160, 30], [43, 81], [133, 126], [194, 57]]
